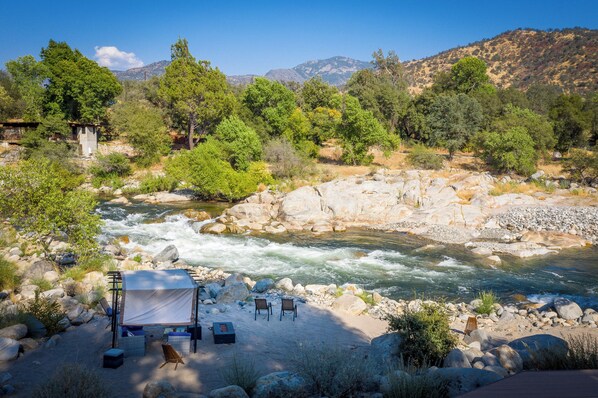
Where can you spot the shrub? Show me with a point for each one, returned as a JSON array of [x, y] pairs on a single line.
[[151, 183], [47, 311], [73, 381], [75, 273], [285, 161], [7, 320], [487, 306], [241, 373], [112, 165], [511, 151], [8, 276], [582, 165], [332, 371], [423, 158], [425, 334]]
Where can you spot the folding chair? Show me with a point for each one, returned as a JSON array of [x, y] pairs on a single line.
[[171, 356], [472, 324], [262, 304], [288, 305]]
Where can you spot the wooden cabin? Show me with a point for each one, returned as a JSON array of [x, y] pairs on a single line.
[[86, 135]]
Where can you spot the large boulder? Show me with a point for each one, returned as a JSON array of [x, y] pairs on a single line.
[[38, 269], [35, 327], [480, 336], [462, 380], [232, 279], [263, 285], [213, 289], [215, 228], [279, 384], [285, 284], [456, 359], [508, 358], [350, 303], [252, 212], [567, 309], [15, 332], [159, 389], [304, 206], [9, 349], [228, 392], [528, 346], [385, 349], [169, 253], [232, 293]]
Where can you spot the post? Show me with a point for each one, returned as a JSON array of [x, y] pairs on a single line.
[[196, 317]]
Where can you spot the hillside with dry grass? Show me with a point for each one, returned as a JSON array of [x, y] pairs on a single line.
[[520, 58]]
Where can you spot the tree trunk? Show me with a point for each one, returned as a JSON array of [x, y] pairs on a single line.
[[190, 142]]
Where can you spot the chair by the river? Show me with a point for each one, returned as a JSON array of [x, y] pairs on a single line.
[[288, 305], [262, 304]]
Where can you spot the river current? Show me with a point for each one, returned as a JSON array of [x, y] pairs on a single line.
[[395, 265]]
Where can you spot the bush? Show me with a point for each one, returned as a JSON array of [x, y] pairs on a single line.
[[285, 161], [582, 354], [151, 183], [487, 306], [109, 166], [582, 165], [47, 311], [423, 158], [212, 177], [73, 381], [511, 151], [332, 371], [240, 143], [241, 373], [425, 335], [8, 276]]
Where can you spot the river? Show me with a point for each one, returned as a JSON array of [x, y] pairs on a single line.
[[395, 265]]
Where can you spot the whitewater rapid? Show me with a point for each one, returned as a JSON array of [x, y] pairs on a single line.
[[377, 261]]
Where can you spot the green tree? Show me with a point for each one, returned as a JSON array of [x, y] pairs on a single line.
[[11, 103], [300, 133], [77, 88], [143, 127], [40, 196], [197, 95], [272, 102], [537, 126], [359, 131], [316, 93], [240, 144], [453, 120], [383, 90], [541, 97], [511, 151], [571, 124], [469, 75], [28, 76]]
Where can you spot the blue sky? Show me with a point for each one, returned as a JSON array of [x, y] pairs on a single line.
[[253, 36]]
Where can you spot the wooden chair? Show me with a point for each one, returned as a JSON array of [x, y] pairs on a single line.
[[288, 305], [107, 310], [472, 324], [262, 304], [171, 356]]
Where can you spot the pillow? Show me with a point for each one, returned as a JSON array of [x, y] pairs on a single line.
[[130, 334]]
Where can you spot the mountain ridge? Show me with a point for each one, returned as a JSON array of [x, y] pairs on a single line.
[[519, 58]]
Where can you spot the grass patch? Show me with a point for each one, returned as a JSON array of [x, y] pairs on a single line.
[[73, 381], [8, 275], [43, 284], [242, 373], [47, 311], [75, 273], [331, 371], [415, 382], [7, 320], [502, 188], [137, 258], [582, 354], [580, 192], [465, 195], [368, 298], [488, 300]]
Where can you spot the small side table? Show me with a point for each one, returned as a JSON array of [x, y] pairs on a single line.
[[224, 333], [113, 358]]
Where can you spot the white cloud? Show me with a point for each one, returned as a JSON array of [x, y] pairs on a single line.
[[113, 58]]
